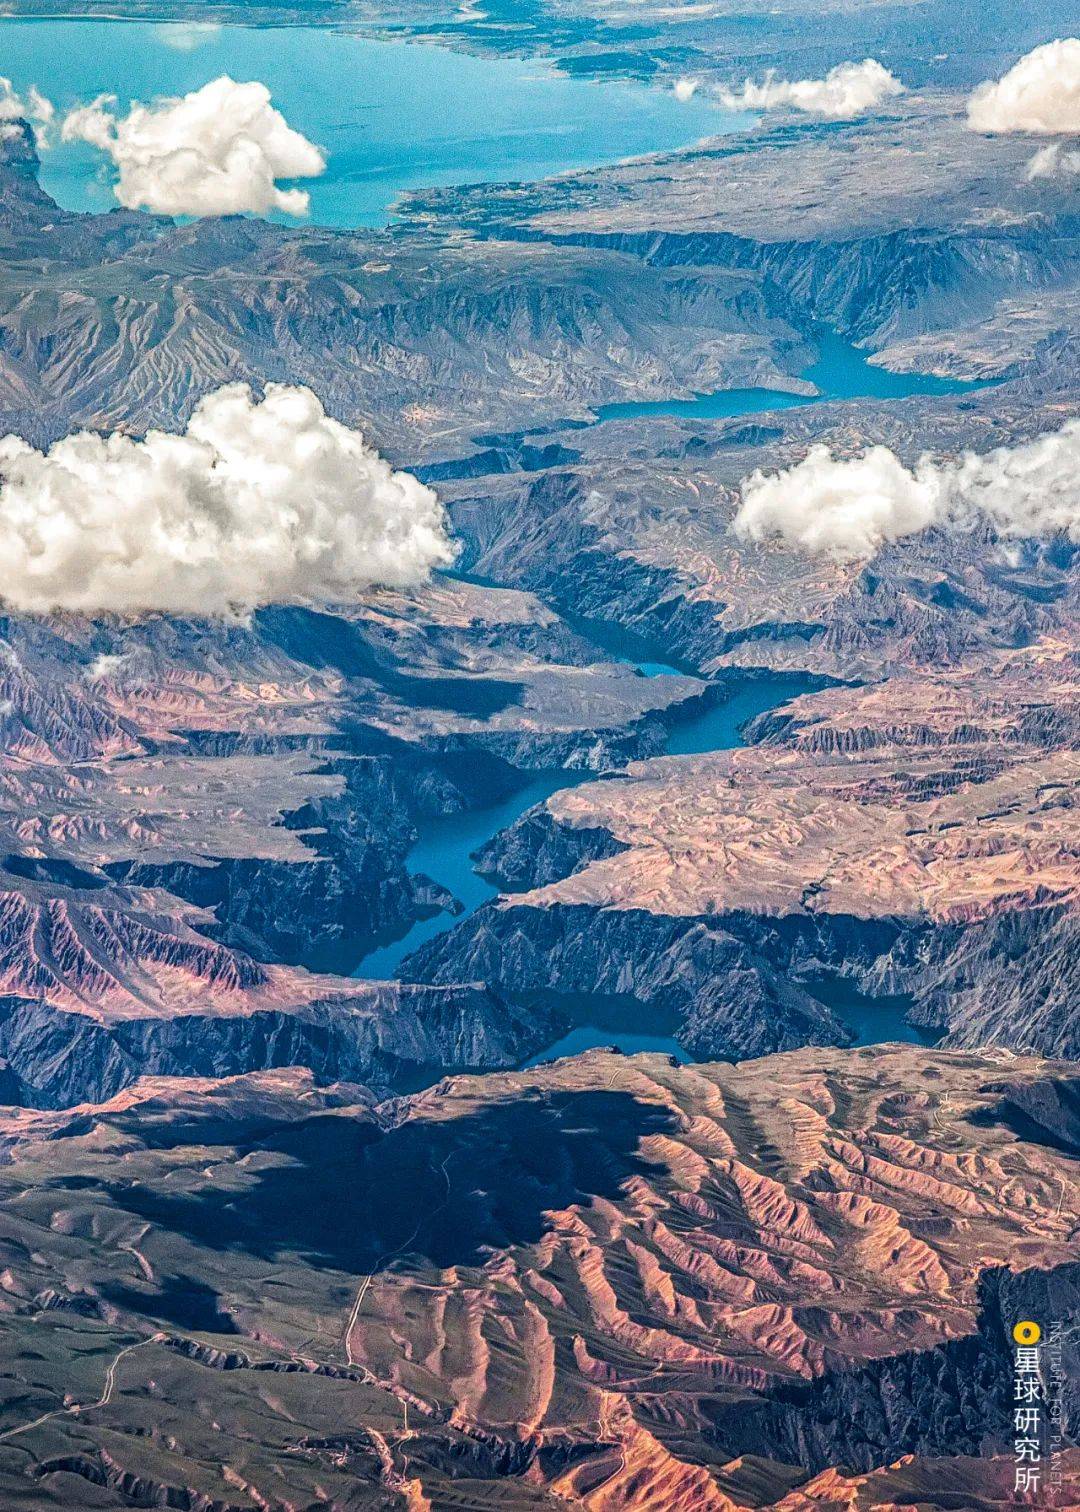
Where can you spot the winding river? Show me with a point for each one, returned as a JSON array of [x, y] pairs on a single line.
[[445, 847], [393, 116]]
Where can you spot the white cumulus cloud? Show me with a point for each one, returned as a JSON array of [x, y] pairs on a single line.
[[32, 107], [847, 508], [842, 508], [255, 503], [105, 666], [1040, 94], [845, 92], [217, 151]]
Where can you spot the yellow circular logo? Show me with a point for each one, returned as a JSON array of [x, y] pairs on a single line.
[[1027, 1333]]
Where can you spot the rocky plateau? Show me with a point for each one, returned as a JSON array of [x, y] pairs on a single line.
[[283, 1226]]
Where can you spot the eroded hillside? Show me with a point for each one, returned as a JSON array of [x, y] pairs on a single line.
[[610, 1281]]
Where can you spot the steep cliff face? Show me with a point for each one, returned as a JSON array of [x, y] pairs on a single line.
[[391, 1036], [537, 849], [957, 1399], [1007, 981], [915, 838], [878, 289], [778, 1285], [325, 909], [1047, 1111], [732, 994]]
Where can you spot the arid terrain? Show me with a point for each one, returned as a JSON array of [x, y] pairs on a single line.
[[330, 1173], [895, 835], [607, 1283]]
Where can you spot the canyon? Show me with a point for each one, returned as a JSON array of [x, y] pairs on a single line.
[[306, 1198], [895, 836]]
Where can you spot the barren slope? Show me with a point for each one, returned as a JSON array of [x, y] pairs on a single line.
[[917, 836], [610, 1279]]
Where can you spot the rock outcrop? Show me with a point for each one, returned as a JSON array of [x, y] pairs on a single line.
[[914, 838]]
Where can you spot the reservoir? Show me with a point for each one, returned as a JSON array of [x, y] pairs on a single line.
[[390, 116], [393, 116], [840, 370]]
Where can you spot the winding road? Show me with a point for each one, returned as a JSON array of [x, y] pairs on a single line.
[[75, 1409], [383, 1261]]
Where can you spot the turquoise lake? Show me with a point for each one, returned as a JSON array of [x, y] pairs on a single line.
[[390, 116], [839, 371]]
